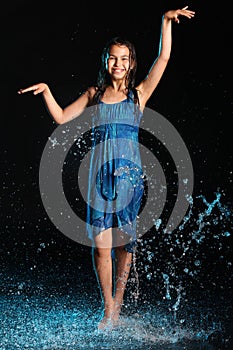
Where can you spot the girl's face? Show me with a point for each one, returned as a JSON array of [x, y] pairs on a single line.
[[118, 61]]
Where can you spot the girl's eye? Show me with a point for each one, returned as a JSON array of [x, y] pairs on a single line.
[[123, 59]]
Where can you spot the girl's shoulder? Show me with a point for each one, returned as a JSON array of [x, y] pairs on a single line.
[[91, 91]]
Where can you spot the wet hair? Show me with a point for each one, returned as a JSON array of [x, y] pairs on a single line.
[[103, 79]]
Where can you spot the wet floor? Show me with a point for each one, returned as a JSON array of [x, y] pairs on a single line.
[[52, 310]]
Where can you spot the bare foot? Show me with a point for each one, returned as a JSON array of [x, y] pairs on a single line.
[[106, 322], [109, 323], [116, 314]]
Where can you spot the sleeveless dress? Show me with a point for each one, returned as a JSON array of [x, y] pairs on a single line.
[[115, 183]]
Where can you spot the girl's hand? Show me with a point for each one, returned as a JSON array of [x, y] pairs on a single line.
[[37, 89], [174, 14]]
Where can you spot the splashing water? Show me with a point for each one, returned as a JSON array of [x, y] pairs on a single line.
[[213, 224], [45, 322], [189, 258], [171, 307]]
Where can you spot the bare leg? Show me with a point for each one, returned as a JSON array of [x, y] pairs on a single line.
[[123, 264], [103, 267]]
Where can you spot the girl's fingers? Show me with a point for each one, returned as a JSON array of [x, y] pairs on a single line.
[[185, 8], [188, 14], [31, 88]]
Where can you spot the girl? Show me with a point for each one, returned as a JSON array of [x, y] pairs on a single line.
[[110, 224]]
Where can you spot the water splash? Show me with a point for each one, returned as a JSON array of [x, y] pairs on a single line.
[[206, 228], [167, 272], [40, 322]]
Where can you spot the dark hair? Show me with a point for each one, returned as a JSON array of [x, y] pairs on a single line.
[[103, 79]]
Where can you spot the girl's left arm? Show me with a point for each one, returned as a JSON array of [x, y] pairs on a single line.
[[148, 85]]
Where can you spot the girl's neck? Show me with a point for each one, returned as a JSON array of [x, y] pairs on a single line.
[[113, 95], [118, 86]]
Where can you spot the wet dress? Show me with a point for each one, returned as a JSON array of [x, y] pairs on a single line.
[[115, 183]]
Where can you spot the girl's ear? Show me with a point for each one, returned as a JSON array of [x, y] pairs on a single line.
[[132, 65]]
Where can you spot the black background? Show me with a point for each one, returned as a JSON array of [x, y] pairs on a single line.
[[60, 44]]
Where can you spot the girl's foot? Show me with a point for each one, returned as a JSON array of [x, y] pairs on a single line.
[[106, 322], [115, 316]]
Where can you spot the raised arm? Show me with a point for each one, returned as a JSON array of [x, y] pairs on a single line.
[[148, 85], [59, 114]]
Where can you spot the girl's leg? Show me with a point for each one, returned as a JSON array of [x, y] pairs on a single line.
[[123, 260], [103, 267]]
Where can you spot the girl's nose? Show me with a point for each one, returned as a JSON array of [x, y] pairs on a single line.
[[117, 62]]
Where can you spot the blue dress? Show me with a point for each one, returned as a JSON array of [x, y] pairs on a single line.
[[115, 183]]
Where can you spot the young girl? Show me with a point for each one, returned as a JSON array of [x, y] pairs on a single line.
[[109, 223]]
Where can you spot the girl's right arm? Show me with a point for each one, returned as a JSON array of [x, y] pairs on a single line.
[[61, 115]]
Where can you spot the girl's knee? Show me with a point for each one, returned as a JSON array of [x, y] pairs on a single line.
[[102, 252]]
